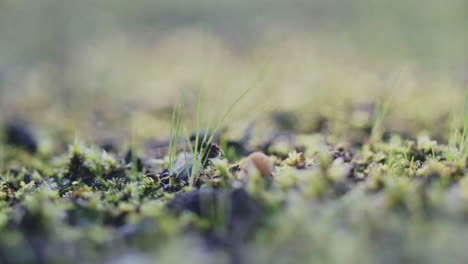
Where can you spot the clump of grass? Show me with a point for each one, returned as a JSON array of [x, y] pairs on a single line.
[[381, 112], [200, 149], [176, 129], [383, 108], [77, 169], [458, 140], [463, 144]]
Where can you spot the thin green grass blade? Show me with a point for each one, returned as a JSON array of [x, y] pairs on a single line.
[[464, 136], [171, 139], [175, 134]]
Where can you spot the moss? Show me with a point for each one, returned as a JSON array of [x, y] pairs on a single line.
[[311, 192], [78, 170]]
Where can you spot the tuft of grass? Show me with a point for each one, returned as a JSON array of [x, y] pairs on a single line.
[[383, 108], [381, 112], [200, 149], [200, 152], [458, 140], [464, 137], [201, 146], [133, 155], [176, 130]]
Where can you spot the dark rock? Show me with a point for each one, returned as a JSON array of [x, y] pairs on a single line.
[[209, 149], [241, 212], [183, 165], [146, 227], [19, 135], [240, 217], [201, 136], [27, 178]]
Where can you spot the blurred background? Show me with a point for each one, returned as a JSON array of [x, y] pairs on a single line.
[[101, 70]]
